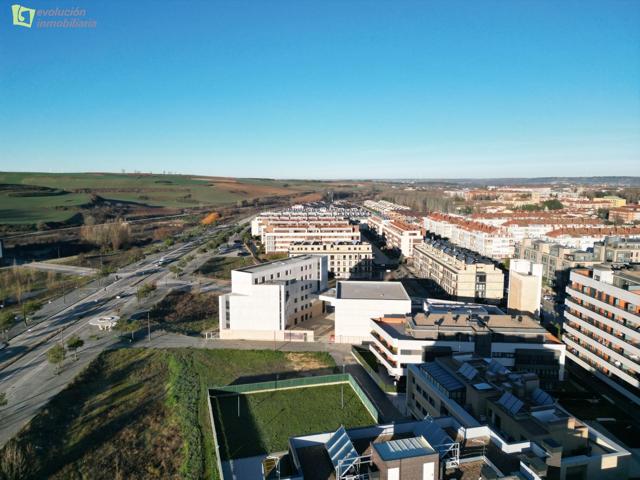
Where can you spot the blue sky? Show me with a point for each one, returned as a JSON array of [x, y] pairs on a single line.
[[326, 89]]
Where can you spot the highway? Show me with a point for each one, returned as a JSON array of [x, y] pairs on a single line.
[[26, 376]]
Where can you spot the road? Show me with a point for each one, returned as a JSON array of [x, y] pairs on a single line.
[[25, 374], [29, 380], [60, 268]]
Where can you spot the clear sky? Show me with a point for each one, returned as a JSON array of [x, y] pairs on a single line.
[[326, 88]]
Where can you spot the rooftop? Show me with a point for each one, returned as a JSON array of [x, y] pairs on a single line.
[[403, 448], [365, 290], [286, 262]]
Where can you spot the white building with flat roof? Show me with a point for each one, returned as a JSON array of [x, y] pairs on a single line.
[[267, 299], [446, 328], [525, 286], [357, 302]]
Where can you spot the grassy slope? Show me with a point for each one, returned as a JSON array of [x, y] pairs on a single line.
[[140, 414], [267, 420]]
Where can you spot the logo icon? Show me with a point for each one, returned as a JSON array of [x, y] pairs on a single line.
[[23, 16]]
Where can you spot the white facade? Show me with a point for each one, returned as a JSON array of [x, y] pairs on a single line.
[[397, 234], [398, 342], [356, 303], [273, 296], [483, 239], [602, 326], [525, 286]]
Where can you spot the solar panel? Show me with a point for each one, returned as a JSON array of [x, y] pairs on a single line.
[[442, 377], [467, 371], [496, 367], [511, 403], [341, 451], [540, 397], [435, 435]]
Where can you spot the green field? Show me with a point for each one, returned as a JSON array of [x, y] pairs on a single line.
[[220, 267], [268, 419], [140, 414], [61, 194]]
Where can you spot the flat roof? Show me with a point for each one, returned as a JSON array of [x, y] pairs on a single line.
[[275, 263], [433, 306], [459, 321], [365, 290], [403, 448]]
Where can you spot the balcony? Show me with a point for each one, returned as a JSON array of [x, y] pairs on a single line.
[[630, 363], [587, 324], [589, 311], [595, 302], [583, 353], [389, 363], [392, 350]]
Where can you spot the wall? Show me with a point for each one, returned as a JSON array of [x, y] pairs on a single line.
[[352, 316]]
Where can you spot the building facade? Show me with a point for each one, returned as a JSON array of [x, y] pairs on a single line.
[[355, 303], [272, 297], [602, 326], [556, 260], [345, 259], [480, 394], [525, 286], [617, 250], [447, 328], [397, 234], [461, 273], [278, 237]]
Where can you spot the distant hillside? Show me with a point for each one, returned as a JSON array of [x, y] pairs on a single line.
[[625, 181]]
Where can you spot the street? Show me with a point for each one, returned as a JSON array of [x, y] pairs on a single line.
[[27, 378]]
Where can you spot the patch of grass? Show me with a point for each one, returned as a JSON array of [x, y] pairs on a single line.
[[187, 313], [270, 257], [110, 422], [220, 267], [268, 419], [139, 414], [207, 368]]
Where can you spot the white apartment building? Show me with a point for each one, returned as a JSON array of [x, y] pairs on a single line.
[[267, 299], [465, 328], [345, 259], [397, 234], [484, 239], [278, 237], [525, 286], [315, 214], [602, 325], [356, 303]]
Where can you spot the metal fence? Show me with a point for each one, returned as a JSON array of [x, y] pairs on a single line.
[[226, 390]]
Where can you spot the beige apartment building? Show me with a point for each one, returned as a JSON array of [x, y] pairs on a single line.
[[461, 273], [346, 260], [556, 260], [618, 250]]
